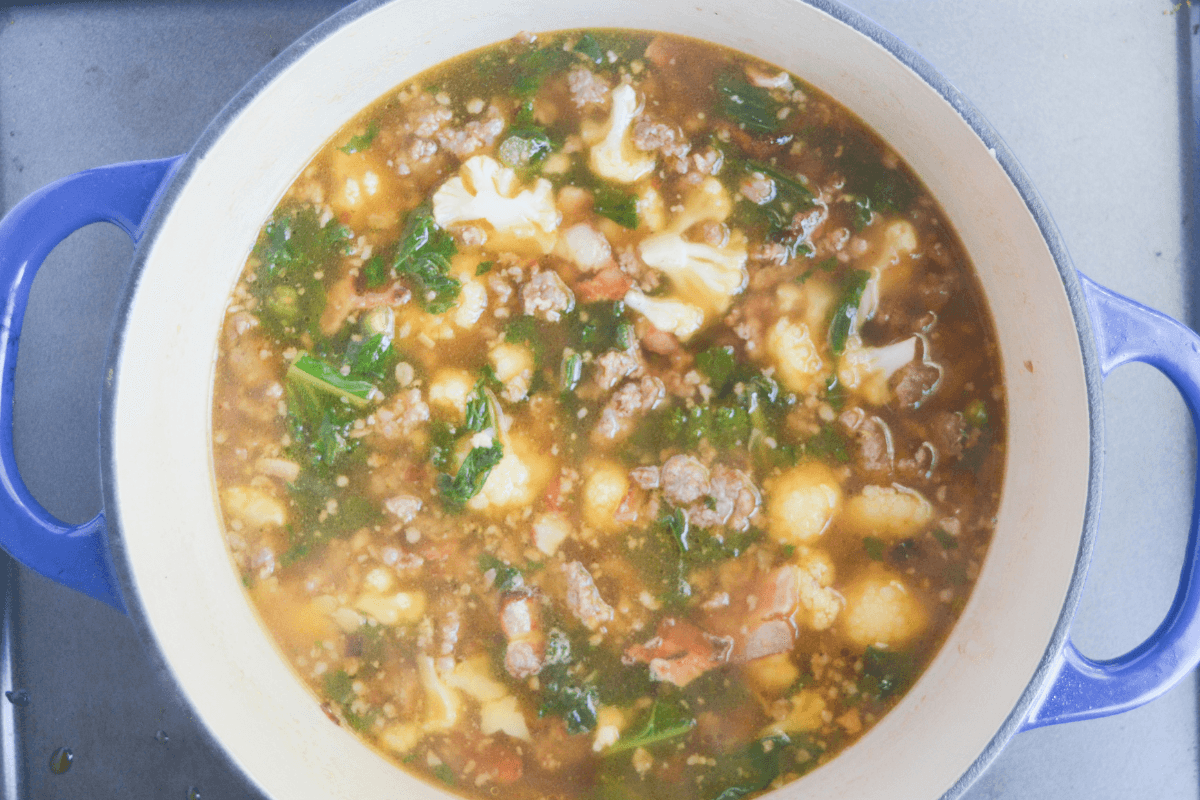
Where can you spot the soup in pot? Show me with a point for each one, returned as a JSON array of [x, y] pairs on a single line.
[[608, 414]]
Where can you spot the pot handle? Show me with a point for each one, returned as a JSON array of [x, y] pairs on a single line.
[[74, 555], [1079, 688]]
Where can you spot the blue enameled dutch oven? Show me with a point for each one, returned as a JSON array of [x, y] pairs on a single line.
[[157, 550]]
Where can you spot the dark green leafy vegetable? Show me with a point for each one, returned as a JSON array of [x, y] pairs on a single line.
[[339, 689], [361, 142], [533, 64], [747, 105], [594, 327], [508, 578], [886, 672], [589, 48], [423, 259], [874, 547], [484, 267], [788, 189], [616, 204], [845, 312], [293, 249], [717, 364], [562, 696], [371, 358], [441, 444], [376, 272], [479, 410], [468, 481], [827, 445], [828, 265], [664, 721], [571, 370], [324, 378], [751, 769]]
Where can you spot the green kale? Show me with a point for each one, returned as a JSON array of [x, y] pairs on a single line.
[[947, 541], [750, 107], [508, 578], [372, 358], [377, 272], [441, 444], [845, 311], [340, 690], [563, 696], [874, 547], [886, 672], [594, 327], [293, 249], [456, 490], [423, 260], [664, 721], [717, 364], [534, 63], [570, 371], [827, 445], [361, 142], [616, 204]]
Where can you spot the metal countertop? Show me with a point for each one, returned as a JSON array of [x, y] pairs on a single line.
[[1093, 97]]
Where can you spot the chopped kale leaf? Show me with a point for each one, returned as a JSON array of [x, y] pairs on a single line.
[[361, 142], [423, 259]]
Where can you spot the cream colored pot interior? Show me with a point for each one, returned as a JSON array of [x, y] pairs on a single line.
[[193, 601]]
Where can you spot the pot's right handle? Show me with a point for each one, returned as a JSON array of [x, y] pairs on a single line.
[[123, 194], [1079, 688]]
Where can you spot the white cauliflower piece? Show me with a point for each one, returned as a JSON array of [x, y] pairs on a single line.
[[514, 368], [614, 156], [610, 721], [866, 370], [503, 716], [772, 675], [798, 361], [402, 607], [488, 193], [549, 531], [515, 481], [819, 603], [720, 270], [804, 715], [672, 316], [401, 737], [254, 507], [802, 501], [450, 389], [881, 611], [603, 491], [442, 703], [897, 240], [889, 512], [473, 676]]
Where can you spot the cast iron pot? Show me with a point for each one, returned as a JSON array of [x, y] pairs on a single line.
[[156, 550]]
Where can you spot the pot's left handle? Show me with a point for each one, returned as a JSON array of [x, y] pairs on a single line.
[[123, 194], [1078, 687]]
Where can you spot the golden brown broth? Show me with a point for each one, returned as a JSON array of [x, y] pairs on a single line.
[[835, 530]]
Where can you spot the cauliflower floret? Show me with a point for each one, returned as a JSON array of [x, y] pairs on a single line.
[[614, 156], [889, 512], [441, 701], [549, 531], [881, 611], [486, 192], [585, 247], [402, 607], [805, 715], [897, 240], [503, 715], [698, 270], [472, 300], [610, 721], [796, 356], [772, 675], [603, 491], [802, 501], [672, 316], [819, 603], [473, 676], [401, 737], [866, 370], [450, 388], [514, 368], [651, 209], [253, 507], [515, 481]]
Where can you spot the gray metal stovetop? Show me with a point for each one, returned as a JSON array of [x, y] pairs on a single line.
[[1091, 96]]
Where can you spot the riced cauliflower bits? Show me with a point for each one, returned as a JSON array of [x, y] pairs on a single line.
[[485, 191], [614, 156]]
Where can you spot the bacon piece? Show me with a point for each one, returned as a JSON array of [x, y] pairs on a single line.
[[609, 283], [680, 652]]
